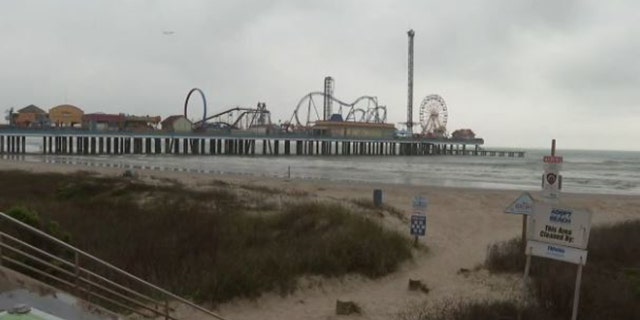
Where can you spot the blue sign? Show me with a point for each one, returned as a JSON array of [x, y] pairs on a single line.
[[420, 203], [418, 225]]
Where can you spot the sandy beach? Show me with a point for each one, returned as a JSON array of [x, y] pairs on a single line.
[[461, 224]]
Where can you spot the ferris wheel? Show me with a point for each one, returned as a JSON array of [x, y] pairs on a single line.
[[433, 116]]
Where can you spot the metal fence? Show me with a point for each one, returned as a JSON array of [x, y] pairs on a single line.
[[37, 254]]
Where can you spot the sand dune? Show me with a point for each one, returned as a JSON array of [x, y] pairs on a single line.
[[461, 224]]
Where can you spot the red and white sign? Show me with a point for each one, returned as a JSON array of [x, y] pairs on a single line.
[[551, 177], [552, 159]]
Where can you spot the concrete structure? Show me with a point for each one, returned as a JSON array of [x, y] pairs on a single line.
[[347, 129], [329, 85], [65, 115], [177, 123], [30, 117], [411, 34]]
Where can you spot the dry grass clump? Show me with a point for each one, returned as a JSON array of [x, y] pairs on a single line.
[[208, 245]]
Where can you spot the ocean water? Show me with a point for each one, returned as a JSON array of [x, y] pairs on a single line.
[[608, 172]]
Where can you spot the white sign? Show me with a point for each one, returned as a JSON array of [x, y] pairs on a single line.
[[522, 205], [556, 252], [420, 203], [551, 184], [559, 225]]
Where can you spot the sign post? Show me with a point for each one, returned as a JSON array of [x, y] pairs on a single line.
[[557, 232], [522, 206], [418, 227], [576, 293]]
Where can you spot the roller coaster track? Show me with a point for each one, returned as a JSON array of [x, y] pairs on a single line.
[[257, 115], [254, 113], [373, 113]]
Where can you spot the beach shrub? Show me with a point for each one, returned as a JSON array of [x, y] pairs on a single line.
[[475, 310], [206, 245], [25, 215], [32, 218], [609, 285], [507, 256], [340, 242]]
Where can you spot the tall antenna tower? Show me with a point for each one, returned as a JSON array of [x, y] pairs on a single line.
[[411, 33], [328, 95]]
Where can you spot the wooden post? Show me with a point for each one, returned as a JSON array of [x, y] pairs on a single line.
[[576, 292], [527, 269], [524, 230]]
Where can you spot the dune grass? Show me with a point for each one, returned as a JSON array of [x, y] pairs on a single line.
[[475, 310], [204, 244], [610, 284], [611, 279]]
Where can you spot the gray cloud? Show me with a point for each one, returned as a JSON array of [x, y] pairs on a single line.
[[517, 72]]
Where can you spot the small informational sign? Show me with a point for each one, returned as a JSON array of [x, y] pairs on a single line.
[[420, 203], [522, 205], [418, 225], [551, 177], [552, 159], [560, 225], [551, 184], [556, 252]]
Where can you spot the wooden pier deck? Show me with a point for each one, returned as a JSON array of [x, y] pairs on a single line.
[[122, 143]]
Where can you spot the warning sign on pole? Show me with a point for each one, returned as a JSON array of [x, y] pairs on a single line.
[[522, 205], [551, 178], [557, 232]]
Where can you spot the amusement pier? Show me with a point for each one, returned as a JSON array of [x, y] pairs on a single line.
[[320, 125], [89, 143]]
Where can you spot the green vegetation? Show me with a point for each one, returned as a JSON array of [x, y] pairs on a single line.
[[475, 310], [610, 284], [209, 245], [32, 218]]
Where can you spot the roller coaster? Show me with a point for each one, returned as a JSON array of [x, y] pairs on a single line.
[[245, 119], [308, 111]]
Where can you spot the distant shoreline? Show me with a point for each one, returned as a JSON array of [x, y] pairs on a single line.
[[180, 174]]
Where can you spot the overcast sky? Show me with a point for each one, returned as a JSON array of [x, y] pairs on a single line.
[[519, 73]]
